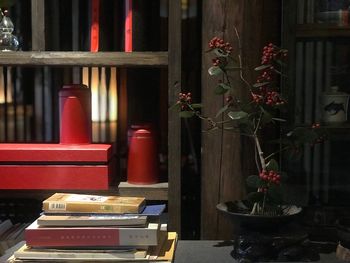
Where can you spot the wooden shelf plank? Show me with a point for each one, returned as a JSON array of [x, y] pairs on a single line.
[[322, 30], [43, 194], [60, 58], [157, 191]]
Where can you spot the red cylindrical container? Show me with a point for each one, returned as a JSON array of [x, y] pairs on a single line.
[[134, 127], [75, 114], [143, 165]]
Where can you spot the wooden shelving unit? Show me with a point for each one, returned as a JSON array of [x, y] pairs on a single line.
[[317, 61], [155, 192], [321, 31], [74, 58], [170, 60]]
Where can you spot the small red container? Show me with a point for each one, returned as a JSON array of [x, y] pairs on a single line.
[[75, 114], [134, 127], [143, 165]]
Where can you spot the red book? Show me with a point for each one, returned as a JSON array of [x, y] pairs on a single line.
[[36, 152], [128, 25], [38, 236], [91, 177]]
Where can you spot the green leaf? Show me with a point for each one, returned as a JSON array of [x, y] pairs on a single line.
[[254, 181], [222, 110], [225, 86], [255, 197], [219, 90], [321, 132], [196, 105], [175, 106], [266, 117], [260, 84], [237, 115], [215, 70], [245, 127], [280, 62], [275, 193], [186, 114], [279, 119], [220, 53], [303, 135], [262, 67], [294, 153], [272, 165]]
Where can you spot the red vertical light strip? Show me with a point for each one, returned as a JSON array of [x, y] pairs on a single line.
[[128, 25], [95, 26]]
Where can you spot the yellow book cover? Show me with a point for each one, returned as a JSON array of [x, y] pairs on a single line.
[[80, 203], [167, 250]]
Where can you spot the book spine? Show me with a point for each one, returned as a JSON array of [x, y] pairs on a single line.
[[97, 220], [55, 177], [90, 237], [81, 255]]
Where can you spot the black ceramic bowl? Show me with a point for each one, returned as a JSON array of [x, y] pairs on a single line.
[[259, 221]]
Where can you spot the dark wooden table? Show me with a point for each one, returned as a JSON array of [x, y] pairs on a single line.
[[212, 251]]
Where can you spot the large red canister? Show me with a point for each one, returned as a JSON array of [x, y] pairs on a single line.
[[75, 114], [143, 164]]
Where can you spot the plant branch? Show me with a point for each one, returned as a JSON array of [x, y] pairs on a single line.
[[274, 153], [240, 60], [260, 152]]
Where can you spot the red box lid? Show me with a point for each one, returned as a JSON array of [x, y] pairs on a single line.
[[41, 152]]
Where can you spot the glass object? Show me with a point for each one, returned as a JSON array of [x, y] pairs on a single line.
[[8, 41]]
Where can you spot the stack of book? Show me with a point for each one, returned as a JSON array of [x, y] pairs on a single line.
[[75, 227]]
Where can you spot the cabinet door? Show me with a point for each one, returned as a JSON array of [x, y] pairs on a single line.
[[317, 34]]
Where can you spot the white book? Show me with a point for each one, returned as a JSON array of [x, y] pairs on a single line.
[[26, 252], [92, 220]]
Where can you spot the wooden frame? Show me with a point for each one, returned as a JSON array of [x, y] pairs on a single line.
[[170, 59]]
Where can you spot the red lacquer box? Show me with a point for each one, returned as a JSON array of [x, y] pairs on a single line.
[[56, 166]]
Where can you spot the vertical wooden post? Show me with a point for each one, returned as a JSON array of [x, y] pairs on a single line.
[[38, 44], [227, 159], [174, 122], [38, 25]]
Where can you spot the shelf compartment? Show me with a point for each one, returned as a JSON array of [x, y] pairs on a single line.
[[118, 59], [322, 30], [157, 191]]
